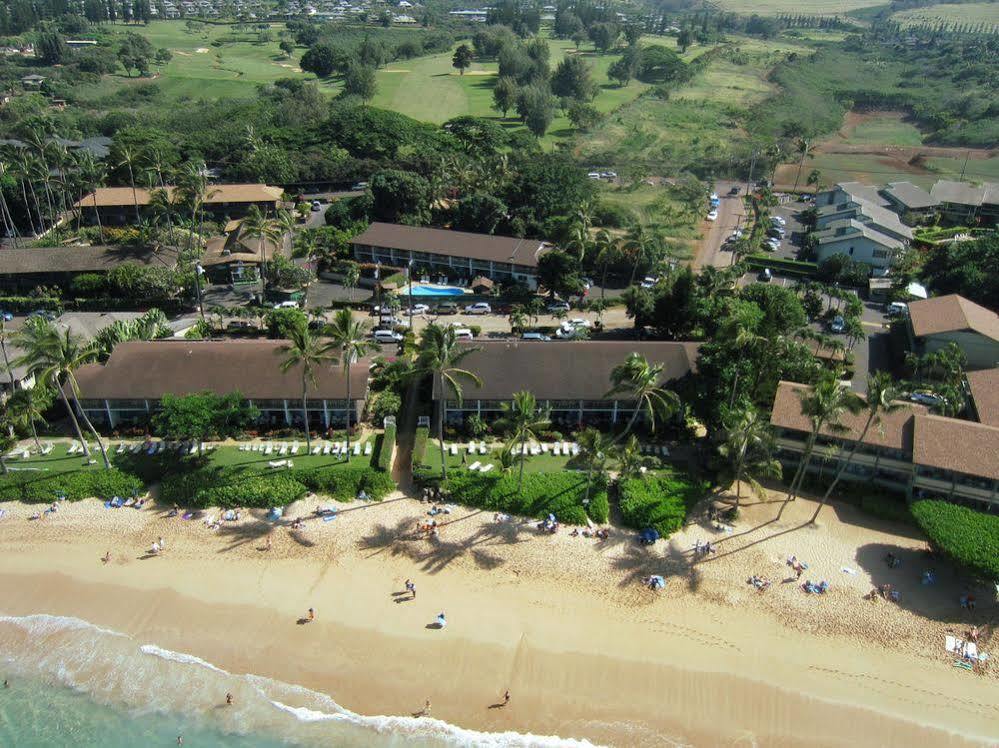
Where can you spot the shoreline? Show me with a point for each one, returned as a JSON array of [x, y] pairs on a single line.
[[611, 665]]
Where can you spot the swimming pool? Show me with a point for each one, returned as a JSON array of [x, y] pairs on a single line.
[[431, 290]]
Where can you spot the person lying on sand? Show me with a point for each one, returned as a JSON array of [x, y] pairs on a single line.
[[106, 558]]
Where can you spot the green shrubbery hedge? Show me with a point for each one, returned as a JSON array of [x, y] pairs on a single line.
[[560, 494], [659, 501], [384, 461], [235, 486], [967, 537], [782, 265], [74, 485], [19, 304], [886, 507]]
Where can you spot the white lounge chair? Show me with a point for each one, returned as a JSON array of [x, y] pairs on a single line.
[[486, 468], [194, 448], [544, 448], [336, 449], [295, 447], [269, 449], [284, 448], [535, 450], [277, 463], [575, 450], [472, 449], [72, 449], [343, 447], [135, 448], [326, 448], [483, 449], [454, 450], [475, 465], [49, 446], [317, 449], [557, 449], [357, 448], [367, 448]]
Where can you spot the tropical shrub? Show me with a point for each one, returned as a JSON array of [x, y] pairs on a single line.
[[74, 485], [659, 501], [967, 537], [344, 483], [251, 490], [542, 494], [420, 444], [384, 448]]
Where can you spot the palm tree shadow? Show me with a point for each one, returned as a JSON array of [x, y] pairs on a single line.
[[640, 561]]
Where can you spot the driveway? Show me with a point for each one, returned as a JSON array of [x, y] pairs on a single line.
[[731, 215]]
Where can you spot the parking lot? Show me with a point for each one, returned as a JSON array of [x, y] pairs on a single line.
[[790, 245]]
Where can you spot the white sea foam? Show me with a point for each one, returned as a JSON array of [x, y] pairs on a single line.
[[304, 714], [184, 659], [42, 624]]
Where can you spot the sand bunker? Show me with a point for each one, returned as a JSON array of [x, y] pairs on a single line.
[[202, 50]]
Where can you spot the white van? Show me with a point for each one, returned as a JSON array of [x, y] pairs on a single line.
[[463, 333]]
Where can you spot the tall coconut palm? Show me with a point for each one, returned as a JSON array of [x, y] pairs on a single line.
[[128, 158], [641, 380], [308, 353], [440, 354], [739, 331], [882, 392], [27, 407], [53, 358], [21, 166], [349, 337], [824, 405], [523, 420], [90, 174], [192, 184], [748, 451], [256, 225], [4, 336], [604, 250]]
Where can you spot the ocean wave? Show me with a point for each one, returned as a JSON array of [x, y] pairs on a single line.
[[42, 624], [184, 659]]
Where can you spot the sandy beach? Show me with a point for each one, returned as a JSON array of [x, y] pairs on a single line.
[[563, 622]]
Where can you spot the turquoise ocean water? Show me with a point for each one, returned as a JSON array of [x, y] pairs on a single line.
[[74, 684]]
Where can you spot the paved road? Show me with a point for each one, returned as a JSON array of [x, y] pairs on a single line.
[[731, 213]]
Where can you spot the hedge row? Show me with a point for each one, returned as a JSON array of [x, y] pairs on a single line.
[[235, 486], [788, 267], [420, 445], [967, 537], [660, 501], [542, 494], [18, 304], [32, 486], [384, 461]]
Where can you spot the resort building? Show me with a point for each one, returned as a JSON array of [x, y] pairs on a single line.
[[852, 219], [983, 392], [236, 258], [965, 203], [458, 254], [128, 388], [570, 378], [906, 198], [935, 323], [912, 453], [117, 205], [25, 269]]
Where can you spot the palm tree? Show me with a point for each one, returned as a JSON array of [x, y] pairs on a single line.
[[640, 379], [594, 449], [3, 348], [518, 318], [439, 356], [129, 159], [91, 174], [25, 409], [256, 225], [524, 420], [604, 249], [824, 406], [629, 459], [307, 352], [881, 393], [738, 331], [150, 326], [748, 451], [53, 359], [350, 338], [192, 184]]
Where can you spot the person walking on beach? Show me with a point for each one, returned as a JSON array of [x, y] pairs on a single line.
[[506, 697], [312, 615], [411, 589], [228, 699], [106, 558], [267, 545], [425, 712]]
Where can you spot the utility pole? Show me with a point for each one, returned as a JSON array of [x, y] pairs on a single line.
[[965, 165], [198, 271], [752, 166], [409, 274], [804, 152]]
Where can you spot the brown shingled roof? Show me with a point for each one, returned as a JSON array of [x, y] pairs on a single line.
[[952, 313], [565, 370], [895, 431], [984, 386], [961, 446], [110, 197], [148, 370], [81, 259], [452, 243]]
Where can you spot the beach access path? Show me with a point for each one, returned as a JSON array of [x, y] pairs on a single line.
[[563, 622]]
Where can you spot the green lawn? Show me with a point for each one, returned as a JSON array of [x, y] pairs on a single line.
[[885, 129], [957, 13], [543, 463], [777, 7], [873, 169]]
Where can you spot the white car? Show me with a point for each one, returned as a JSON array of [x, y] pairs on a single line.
[[777, 219], [773, 244], [559, 306], [421, 308], [537, 336], [608, 175], [925, 397], [594, 175], [649, 282], [576, 322], [714, 197], [386, 336], [286, 305], [463, 333], [479, 308], [713, 215]]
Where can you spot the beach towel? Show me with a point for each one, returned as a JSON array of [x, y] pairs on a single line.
[[848, 570], [329, 517], [187, 515]]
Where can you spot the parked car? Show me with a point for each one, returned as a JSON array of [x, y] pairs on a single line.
[[649, 282], [928, 398], [765, 276], [421, 308], [358, 186], [897, 309], [286, 305], [44, 314], [316, 206], [535, 336], [713, 215], [608, 175], [779, 220], [838, 324], [735, 190], [446, 308], [463, 333], [386, 336], [576, 322], [480, 307], [558, 306], [714, 197], [594, 175], [240, 324]]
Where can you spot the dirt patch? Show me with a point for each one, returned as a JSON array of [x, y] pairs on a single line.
[[479, 72], [202, 50], [395, 70]]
